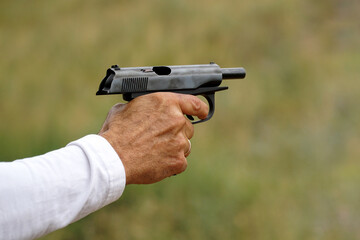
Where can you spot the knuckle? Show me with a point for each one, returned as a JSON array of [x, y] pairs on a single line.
[[163, 100], [179, 120], [183, 143], [176, 121], [196, 103], [180, 143], [163, 96], [157, 97], [180, 164], [184, 166]]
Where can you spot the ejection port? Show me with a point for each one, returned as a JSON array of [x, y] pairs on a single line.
[[162, 70]]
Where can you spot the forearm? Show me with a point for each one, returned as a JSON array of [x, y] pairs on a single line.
[[48, 192]]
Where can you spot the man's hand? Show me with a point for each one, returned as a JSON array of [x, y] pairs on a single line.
[[150, 134]]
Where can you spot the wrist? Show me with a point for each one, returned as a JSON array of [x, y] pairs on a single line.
[[108, 136]]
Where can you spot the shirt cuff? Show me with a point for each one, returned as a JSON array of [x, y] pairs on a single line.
[[99, 147]]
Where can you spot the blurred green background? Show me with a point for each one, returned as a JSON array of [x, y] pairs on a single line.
[[280, 159]]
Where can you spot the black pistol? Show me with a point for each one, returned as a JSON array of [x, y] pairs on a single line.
[[204, 79]]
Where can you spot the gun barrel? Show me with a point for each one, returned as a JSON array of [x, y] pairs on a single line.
[[233, 73]]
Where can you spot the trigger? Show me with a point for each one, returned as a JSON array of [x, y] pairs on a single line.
[[190, 117]]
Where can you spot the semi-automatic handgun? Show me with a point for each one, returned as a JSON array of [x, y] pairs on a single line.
[[204, 79]]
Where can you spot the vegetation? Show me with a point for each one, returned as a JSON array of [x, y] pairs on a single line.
[[279, 159]]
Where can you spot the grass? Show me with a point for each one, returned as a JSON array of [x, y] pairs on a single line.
[[279, 159]]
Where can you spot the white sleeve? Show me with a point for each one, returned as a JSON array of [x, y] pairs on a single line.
[[41, 194]]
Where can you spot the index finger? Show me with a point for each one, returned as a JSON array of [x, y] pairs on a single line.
[[191, 105]]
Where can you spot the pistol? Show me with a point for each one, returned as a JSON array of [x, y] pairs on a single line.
[[203, 79]]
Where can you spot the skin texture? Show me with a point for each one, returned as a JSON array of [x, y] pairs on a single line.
[[150, 134]]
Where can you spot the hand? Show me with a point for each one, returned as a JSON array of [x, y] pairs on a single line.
[[150, 134]]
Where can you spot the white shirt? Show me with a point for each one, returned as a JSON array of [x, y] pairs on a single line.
[[41, 194]]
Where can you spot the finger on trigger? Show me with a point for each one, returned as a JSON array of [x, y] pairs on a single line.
[[191, 105]]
